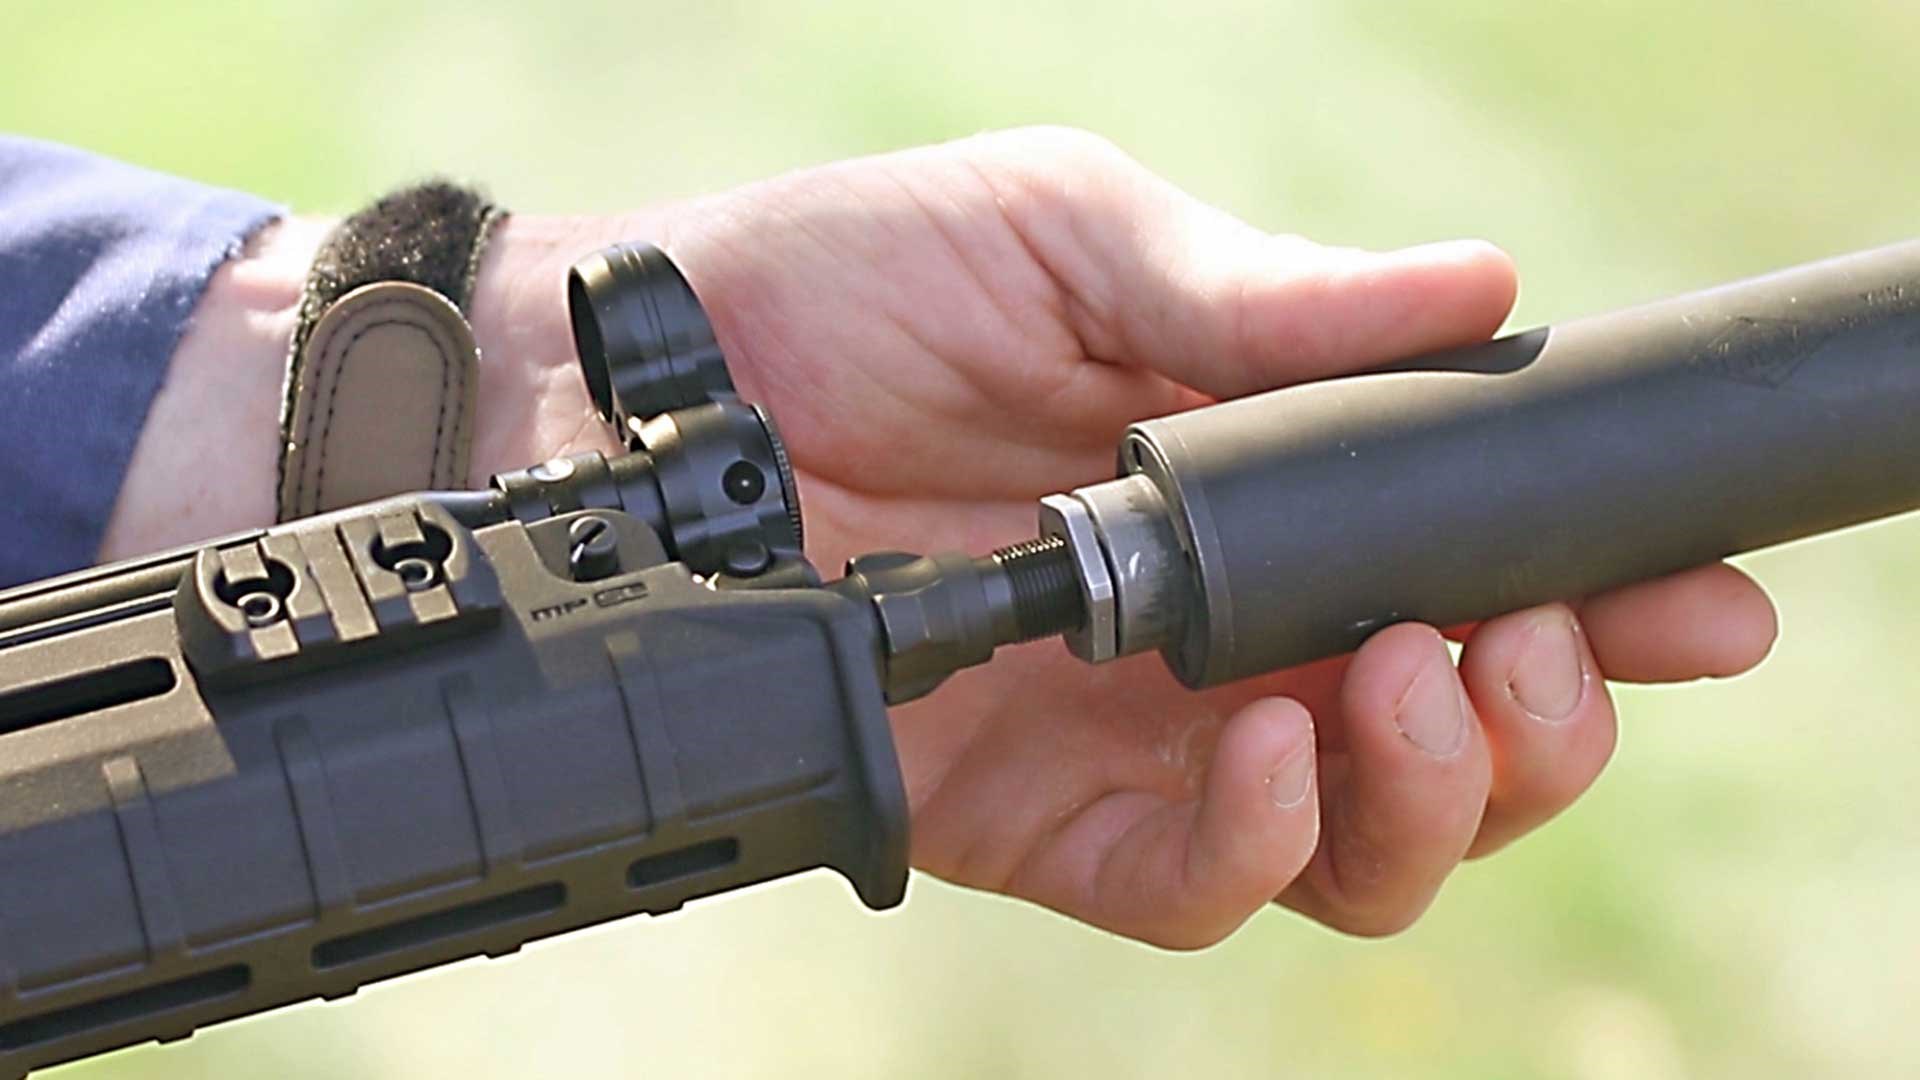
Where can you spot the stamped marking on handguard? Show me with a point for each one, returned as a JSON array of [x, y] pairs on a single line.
[[621, 594], [556, 611], [1899, 295]]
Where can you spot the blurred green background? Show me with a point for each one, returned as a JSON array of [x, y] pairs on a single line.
[[1741, 894]]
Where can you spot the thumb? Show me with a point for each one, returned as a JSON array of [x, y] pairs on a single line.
[[1155, 278]]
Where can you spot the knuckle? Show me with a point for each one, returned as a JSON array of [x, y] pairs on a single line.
[[1560, 781], [1188, 938], [1377, 922], [1559, 789], [1076, 142], [1546, 797], [1050, 147], [1535, 802], [1372, 889]]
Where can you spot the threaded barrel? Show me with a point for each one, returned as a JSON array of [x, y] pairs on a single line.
[[1046, 595]]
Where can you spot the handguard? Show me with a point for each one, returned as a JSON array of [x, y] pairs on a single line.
[[231, 798], [290, 763]]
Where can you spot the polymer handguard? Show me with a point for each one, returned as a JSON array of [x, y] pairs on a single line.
[[209, 808], [286, 764]]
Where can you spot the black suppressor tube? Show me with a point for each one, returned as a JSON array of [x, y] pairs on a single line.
[[1265, 532]]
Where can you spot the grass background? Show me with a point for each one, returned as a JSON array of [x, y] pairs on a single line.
[[1737, 898]]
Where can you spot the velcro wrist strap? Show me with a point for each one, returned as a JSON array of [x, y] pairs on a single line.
[[383, 368]]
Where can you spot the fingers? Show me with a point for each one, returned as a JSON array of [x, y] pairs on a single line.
[[1710, 622], [1268, 311], [1152, 276], [1422, 764], [1402, 806], [1548, 718], [1537, 682], [1184, 874]]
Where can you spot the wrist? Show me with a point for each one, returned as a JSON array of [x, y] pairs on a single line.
[[205, 462], [533, 402], [207, 458]]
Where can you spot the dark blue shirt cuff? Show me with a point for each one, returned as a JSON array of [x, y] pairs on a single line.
[[101, 264]]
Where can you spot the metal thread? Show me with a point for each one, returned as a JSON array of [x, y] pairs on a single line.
[[1046, 596], [789, 489]]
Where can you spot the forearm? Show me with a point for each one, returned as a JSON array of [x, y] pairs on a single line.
[[206, 460]]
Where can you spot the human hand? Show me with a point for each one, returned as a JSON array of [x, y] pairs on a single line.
[[948, 333]]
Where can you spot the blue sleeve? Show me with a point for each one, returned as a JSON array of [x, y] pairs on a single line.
[[101, 264]]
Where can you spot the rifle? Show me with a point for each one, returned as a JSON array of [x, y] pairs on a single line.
[[288, 763]]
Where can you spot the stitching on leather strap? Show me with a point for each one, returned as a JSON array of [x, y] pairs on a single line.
[[332, 362]]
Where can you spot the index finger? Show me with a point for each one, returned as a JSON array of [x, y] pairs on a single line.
[[1155, 278]]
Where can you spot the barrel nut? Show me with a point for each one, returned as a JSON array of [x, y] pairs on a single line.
[[1097, 639]]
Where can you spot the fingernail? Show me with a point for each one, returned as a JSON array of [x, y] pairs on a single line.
[[1430, 713], [1550, 677], [1289, 783]]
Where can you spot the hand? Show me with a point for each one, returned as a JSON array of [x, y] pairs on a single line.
[[948, 333]]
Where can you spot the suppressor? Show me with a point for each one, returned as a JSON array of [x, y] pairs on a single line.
[[1273, 530]]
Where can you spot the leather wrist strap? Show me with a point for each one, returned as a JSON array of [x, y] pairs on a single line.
[[383, 368]]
